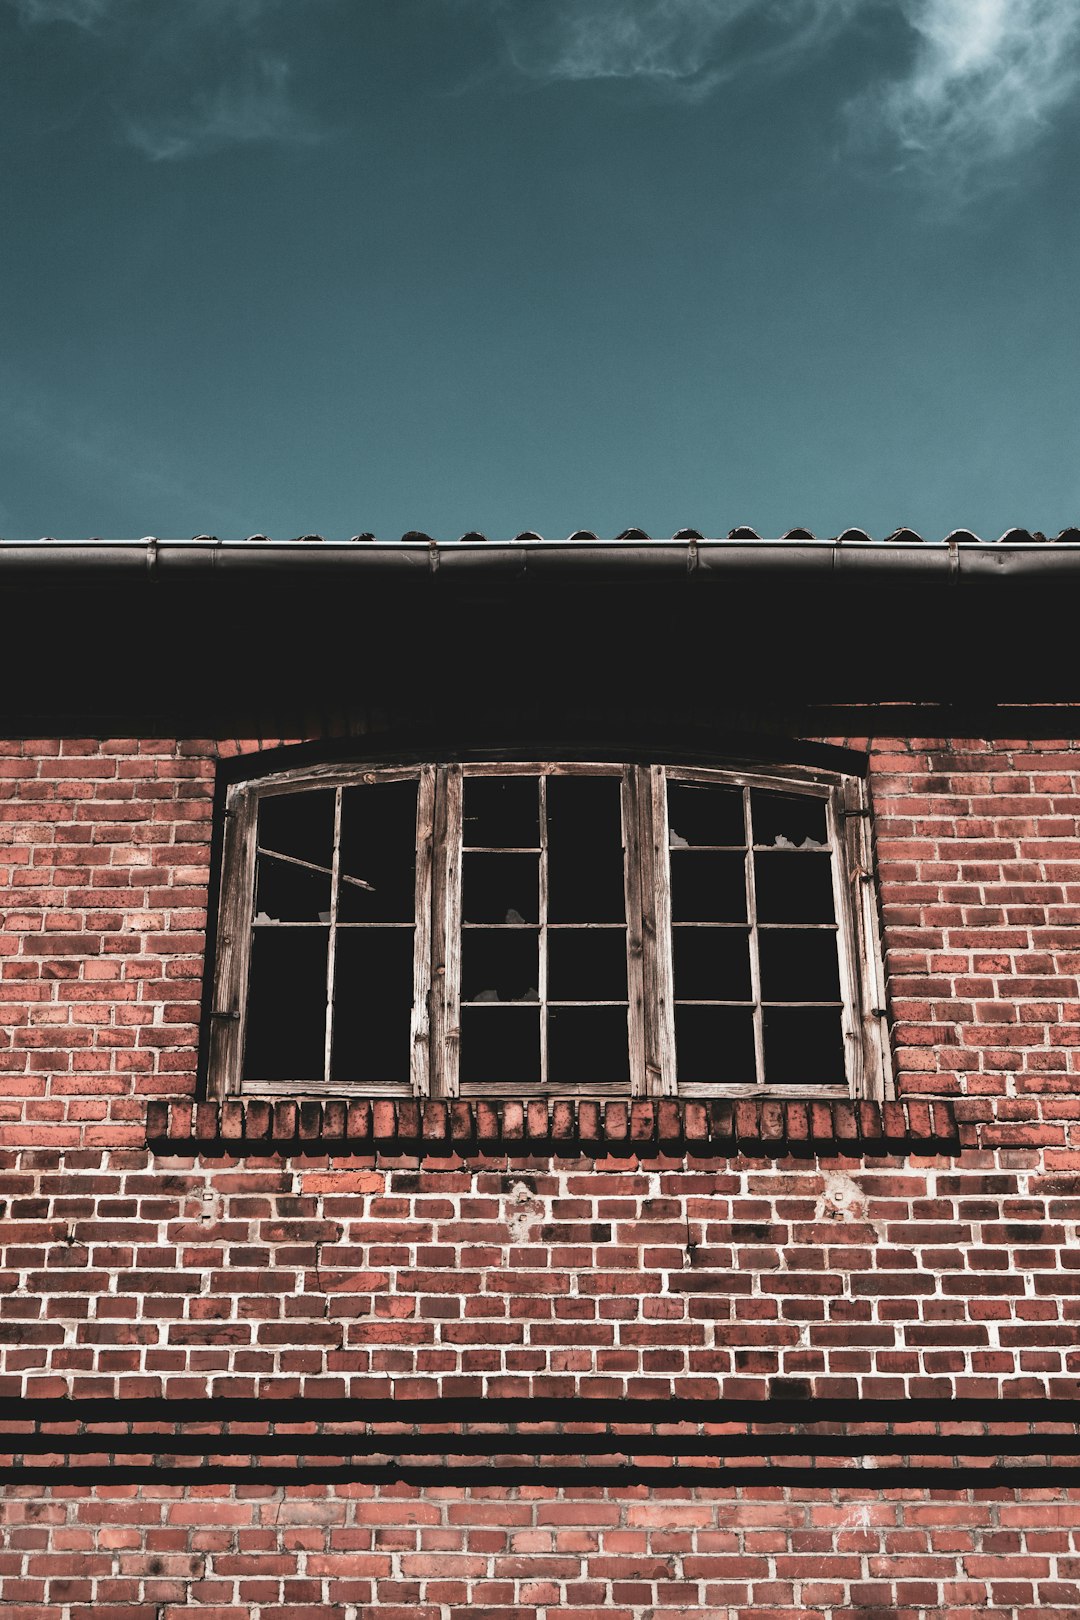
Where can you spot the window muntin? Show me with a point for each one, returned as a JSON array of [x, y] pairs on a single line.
[[589, 929]]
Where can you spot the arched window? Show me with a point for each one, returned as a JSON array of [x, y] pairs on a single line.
[[509, 928]]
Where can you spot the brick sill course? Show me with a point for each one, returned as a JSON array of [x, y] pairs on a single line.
[[642, 1127]]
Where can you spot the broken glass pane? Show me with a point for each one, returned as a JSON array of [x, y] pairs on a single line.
[[588, 1045], [788, 820], [799, 965], [286, 1008], [712, 964], [378, 852], [707, 887], [585, 849], [299, 824], [587, 964], [285, 892], [500, 888], [500, 964], [500, 1043], [804, 1046], [373, 997], [795, 888], [501, 812], [715, 1045], [701, 814]]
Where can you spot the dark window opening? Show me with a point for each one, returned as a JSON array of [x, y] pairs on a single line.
[[597, 929]]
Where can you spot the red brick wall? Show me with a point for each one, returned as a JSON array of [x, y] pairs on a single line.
[[363, 1274], [403, 1554]]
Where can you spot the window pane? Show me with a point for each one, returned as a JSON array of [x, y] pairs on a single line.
[[712, 964], [699, 814], [288, 893], [286, 1009], [500, 964], [500, 888], [585, 850], [587, 964], [500, 1043], [707, 887], [373, 995], [788, 820], [299, 824], [715, 1045], [799, 966], [804, 1046], [794, 886], [378, 852], [501, 812], [588, 1045]]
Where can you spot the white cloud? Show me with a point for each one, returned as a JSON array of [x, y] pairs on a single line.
[[986, 79], [983, 80], [187, 77]]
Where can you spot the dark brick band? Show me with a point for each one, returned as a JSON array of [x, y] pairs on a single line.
[[644, 1127]]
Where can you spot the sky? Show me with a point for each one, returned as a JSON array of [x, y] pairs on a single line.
[[345, 266]]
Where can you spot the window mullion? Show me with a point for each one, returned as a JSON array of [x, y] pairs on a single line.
[[636, 1016], [446, 933], [420, 1068], [755, 958], [656, 932], [229, 1010], [331, 944]]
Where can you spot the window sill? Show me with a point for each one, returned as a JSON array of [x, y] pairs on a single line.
[[644, 1127]]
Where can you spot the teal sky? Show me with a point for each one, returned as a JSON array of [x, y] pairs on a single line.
[[342, 265]]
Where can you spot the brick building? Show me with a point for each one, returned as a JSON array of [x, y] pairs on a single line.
[[540, 1078]]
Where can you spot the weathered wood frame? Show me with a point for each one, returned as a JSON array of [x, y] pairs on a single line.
[[650, 1010]]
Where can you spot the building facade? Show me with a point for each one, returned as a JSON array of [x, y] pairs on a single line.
[[540, 1079]]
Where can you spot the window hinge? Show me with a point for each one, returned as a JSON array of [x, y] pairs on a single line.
[[226, 1012], [863, 810]]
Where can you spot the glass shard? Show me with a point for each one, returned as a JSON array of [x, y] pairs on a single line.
[[699, 813], [788, 820], [286, 892]]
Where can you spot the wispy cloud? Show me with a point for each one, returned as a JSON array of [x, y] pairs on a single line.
[[254, 106], [83, 13], [982, 79], [986, 79], [685, 46], [187, 77]]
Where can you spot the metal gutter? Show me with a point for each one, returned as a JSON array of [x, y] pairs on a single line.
[[62, 563]]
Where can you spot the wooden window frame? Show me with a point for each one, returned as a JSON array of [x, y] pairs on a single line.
[[438, 927]]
